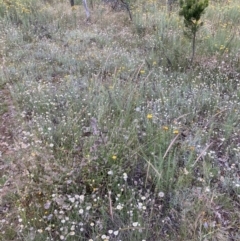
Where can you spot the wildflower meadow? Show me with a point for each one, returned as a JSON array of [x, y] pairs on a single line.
[[117, 128]]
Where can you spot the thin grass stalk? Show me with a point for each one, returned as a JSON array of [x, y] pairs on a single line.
[[170, 145], [201, 154]]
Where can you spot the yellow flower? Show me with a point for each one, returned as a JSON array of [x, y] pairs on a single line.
[[114, 157], [142, 71], [192, 148], [149, 116], [175, 132], [222, 47], [165, 128]]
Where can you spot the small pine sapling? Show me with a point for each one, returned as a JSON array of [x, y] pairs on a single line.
[[192, 10]]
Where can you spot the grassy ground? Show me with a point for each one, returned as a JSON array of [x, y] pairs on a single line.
[[115, 136]]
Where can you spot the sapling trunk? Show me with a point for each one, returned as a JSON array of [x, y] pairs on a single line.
[[193, 46], [85, 7], [72, 2]]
